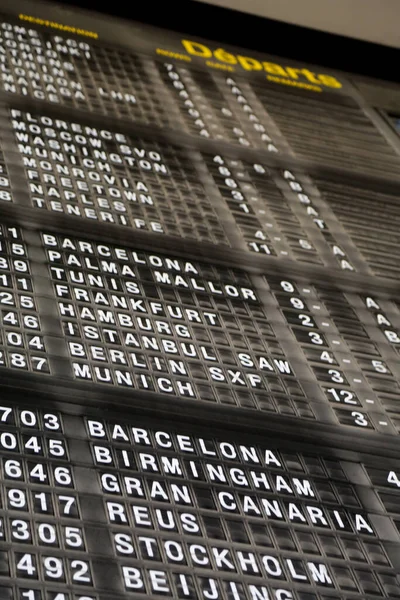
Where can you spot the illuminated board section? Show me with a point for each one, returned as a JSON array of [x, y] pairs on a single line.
[[77, 74], [157, 323], [351, 342], [22, 345], [112, 177], [98, 510], [370, 215], [329, 127], [278, 212]]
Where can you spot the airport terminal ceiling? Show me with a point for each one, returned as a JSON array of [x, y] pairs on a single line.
[[367, 20]]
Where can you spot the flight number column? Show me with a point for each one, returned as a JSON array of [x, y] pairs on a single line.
[[27, 342], [43, 545]]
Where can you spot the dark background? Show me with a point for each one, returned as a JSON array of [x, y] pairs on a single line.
[[263, 35]]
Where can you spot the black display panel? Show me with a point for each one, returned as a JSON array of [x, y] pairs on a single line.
[[200, 324], [116, 508], [211, 335]]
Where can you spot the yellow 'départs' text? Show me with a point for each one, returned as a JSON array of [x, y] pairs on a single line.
[[252, 64]]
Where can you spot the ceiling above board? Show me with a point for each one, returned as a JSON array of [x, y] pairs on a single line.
[[371, 20]]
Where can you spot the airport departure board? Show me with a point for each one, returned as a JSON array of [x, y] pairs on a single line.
[[200, 322]]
